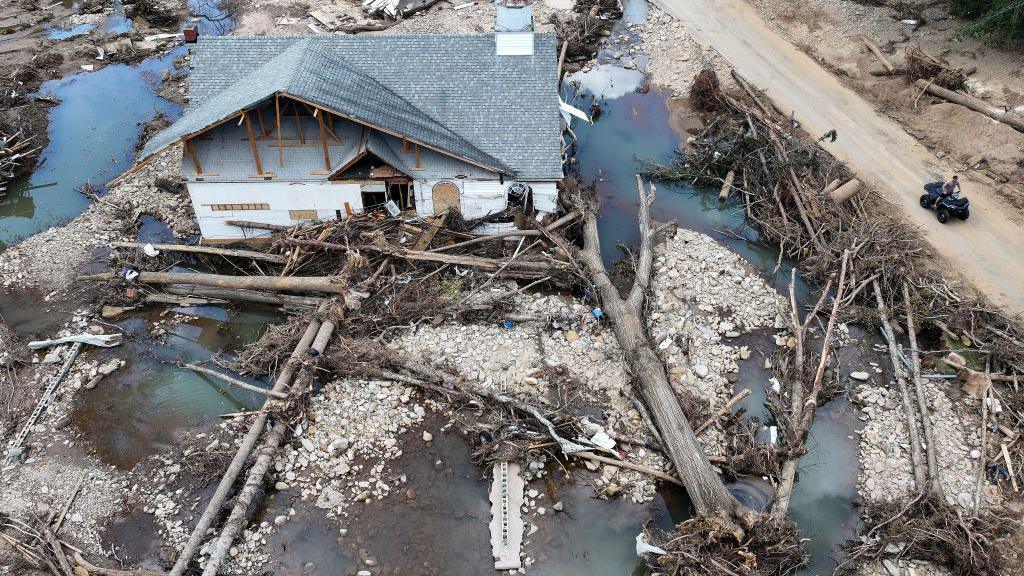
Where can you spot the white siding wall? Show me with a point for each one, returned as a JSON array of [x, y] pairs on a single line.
[[325, 198], [484, 197], [545, 196]]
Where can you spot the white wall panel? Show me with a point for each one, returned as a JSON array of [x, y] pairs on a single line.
[[325, 198]]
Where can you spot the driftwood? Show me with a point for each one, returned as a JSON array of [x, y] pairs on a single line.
[[254, 481], [723, 194], [227, 481], [899, 373], [258, 225], [973, 103], [934, 480], [234, 253], [722, 411], [706, 490], [511, 233], [283, 283], [242, 295], [235, 382], [518, 267], [846, 191], [803, 406], [630, 466], [878, 54]]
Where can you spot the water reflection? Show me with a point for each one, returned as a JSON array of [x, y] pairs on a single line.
[[93, 133], [145, 407], [437, 523]]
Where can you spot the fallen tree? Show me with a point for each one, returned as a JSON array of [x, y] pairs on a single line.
[[706, 490], [973, 103]]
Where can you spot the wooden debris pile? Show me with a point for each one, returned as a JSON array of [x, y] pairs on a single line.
[[799, 197], [922, 65], [354, 257], [712, 546], [928, 527], [582, 32], [16, 152]]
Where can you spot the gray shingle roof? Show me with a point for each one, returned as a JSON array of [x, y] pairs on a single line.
[[448, 91]]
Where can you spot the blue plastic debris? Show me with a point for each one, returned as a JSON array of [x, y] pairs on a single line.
[[508, 324], [598, 313]]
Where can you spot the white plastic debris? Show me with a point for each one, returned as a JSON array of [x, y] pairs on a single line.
[[150, 250], [773, 434], [994, 406], [103, 340], [642, 547]]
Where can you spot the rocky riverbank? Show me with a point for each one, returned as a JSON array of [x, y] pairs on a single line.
[[886, 471], [673, 57], [50, 260]]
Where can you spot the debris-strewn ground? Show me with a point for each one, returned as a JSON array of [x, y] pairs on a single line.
[[829, 30], [704, 297], [51, 259], [58, 457], [674, 57], [885, 453]]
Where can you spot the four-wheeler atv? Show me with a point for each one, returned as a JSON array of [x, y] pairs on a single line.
[[951, 205]]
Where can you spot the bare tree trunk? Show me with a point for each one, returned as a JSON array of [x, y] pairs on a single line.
[[934, 478], [235, 253], [802, 409], [258, 471], [900, 374], [287, 283], [248, 443], [706, 490]]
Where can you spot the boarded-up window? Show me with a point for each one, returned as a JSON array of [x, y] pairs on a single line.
[[302, 214], [228, 207], [446, 197]]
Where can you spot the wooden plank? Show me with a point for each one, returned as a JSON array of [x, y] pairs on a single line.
[[323, 141], [252, 141], [195, 157], [259, 117], [424, 240], [298, 121], [277, 111]]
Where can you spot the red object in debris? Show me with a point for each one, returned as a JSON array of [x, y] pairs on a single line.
[[191, 35]]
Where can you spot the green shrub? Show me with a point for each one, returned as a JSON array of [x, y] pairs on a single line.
[[1000, 21]]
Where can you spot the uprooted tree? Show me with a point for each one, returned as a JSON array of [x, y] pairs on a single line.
[[706, 490]]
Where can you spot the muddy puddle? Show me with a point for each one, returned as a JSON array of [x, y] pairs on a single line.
[[437, 523], [146, 406]]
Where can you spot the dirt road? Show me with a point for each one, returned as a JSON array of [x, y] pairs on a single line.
[[988, 249]]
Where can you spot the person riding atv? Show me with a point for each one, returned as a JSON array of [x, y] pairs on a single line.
[[944, 199]]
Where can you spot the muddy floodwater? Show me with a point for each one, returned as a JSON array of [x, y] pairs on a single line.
[[437, 523], [146, 406]]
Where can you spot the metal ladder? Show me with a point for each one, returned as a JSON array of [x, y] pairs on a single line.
[[48, 396]]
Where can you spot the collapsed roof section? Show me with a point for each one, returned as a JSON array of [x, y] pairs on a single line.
[[450, 93]]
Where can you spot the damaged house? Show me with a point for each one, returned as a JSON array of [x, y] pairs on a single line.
[[281, 130]]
